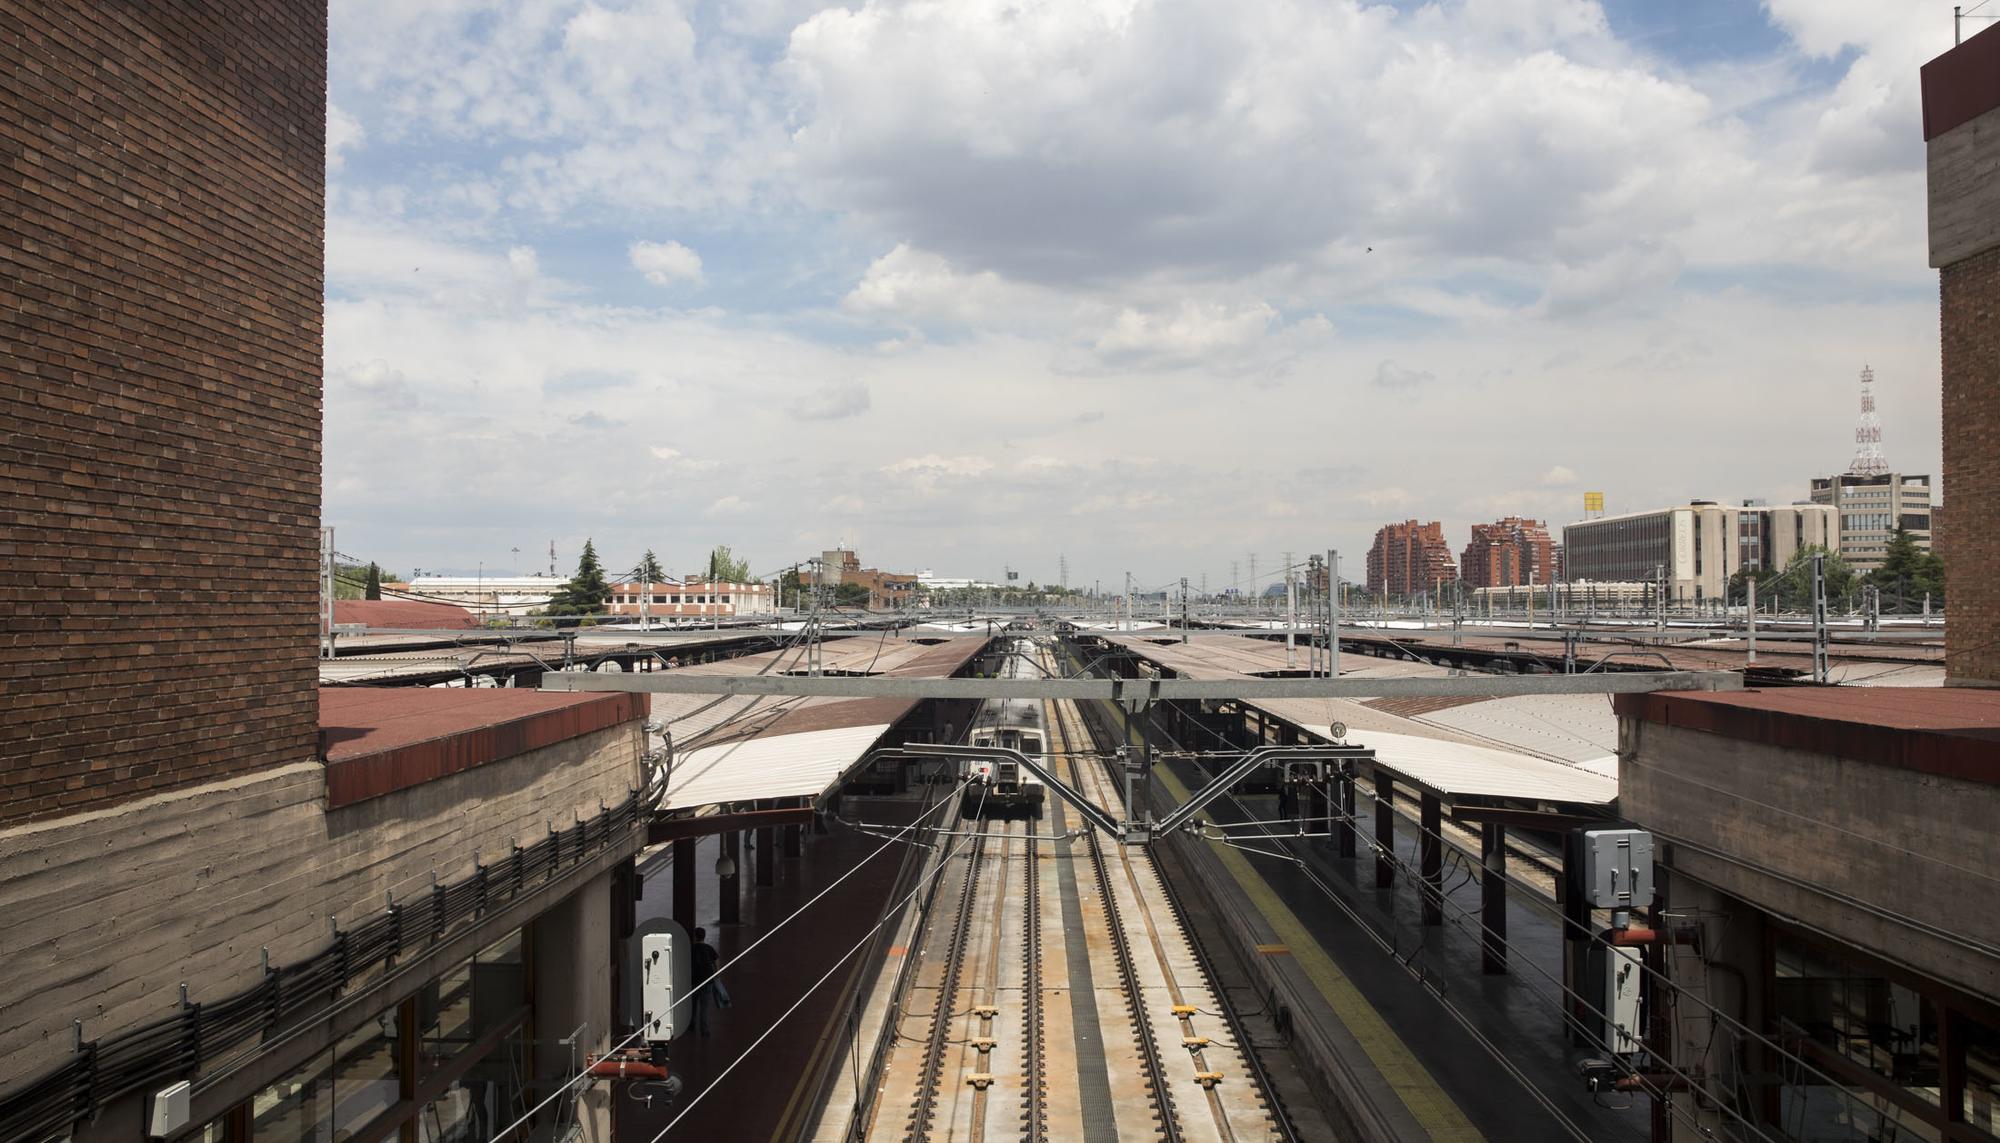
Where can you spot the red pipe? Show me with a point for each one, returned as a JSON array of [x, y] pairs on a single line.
[[626, 1069], [1639, 935]]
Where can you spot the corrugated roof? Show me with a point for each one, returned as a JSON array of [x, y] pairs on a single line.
[[1455, 762], [1458, 770], [737, 748], [768, 766]]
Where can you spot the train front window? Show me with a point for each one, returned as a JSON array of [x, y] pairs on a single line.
[[1031, 744]]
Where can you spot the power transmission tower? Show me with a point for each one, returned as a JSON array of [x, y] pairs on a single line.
[[1062, 572]]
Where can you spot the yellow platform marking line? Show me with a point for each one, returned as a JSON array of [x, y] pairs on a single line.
[[1406, 1075]]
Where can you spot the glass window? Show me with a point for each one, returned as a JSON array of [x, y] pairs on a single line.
[[1858, 1015], [298, 1107], [1827, 1114], [364, 1073], [444, 1019], [1982, 1073]]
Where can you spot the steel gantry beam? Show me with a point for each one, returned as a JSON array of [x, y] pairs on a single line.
[[1137, 693], [1134, 830]]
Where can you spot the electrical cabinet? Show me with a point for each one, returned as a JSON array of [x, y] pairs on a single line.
[[658, 984], [1618, 868]]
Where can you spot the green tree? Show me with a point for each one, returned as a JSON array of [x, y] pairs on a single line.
[[851, 595], [1794, 585], [790, 589], [649, 568], [726, 568], [1908, 573], [587, 591], [373, 589]]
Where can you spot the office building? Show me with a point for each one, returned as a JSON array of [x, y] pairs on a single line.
[[1508, 553], [1409, 558], [1697, 546]]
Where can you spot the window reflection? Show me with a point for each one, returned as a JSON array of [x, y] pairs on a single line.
[[365, 1083], [1982, 1073], [298, 1107], [1859, 1015]]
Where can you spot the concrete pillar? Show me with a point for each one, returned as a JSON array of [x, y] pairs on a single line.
[[767, 855], [573, 952], [1385, 831], [1493, 896], [1430, 853], [729, 895], [1345, 830], [794, 841], [684, 884]]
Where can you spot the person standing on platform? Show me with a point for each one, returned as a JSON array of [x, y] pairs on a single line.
[[708, 989]]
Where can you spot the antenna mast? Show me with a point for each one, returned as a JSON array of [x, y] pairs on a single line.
[[1868, 433]]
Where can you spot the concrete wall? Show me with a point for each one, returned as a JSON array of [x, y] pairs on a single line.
[[1964, 188], [1903, 843], [573, 990], [162, 200], [114, 909]]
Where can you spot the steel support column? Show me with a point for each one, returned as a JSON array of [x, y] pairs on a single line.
[[1430, 855], [794, 841], [767, 855], [1385, 831], [728, 890], [1493, 896], [1345, 829], [684, 883]]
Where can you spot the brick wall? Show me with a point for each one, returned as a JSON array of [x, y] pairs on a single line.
[[1969, 316], [162, 196]]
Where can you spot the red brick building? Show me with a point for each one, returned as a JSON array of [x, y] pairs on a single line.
[[1408, 558], [1962, 137], [161, 277], [1510, 552]]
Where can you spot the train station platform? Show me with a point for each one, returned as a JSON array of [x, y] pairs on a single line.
[[768, 1089], [1425, 1073]]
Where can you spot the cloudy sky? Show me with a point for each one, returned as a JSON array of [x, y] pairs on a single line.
[[974, 283]]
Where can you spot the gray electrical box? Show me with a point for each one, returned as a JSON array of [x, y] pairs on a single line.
[[1618, 868]]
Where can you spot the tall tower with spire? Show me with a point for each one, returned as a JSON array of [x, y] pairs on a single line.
[[1867, 433]]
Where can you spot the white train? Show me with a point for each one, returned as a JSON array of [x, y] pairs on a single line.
[[1000, 787]]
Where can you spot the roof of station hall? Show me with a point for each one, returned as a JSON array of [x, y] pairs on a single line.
[[734, 748], [1540, 748]]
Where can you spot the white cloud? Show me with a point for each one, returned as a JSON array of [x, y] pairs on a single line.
[[1187, 331], [343, 133], [1558, 477], [727, 506], [1390, 375], [833, 401], [665, 263]]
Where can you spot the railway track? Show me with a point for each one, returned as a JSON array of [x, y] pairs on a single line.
[[1056, 997]]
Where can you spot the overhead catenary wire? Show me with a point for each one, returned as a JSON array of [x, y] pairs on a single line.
[[719, 968], [942, 864], [1534, 898], [1398, 862]]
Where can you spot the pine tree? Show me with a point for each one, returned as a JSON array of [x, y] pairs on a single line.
[[649, 568], [587, 591], [1908, 573], [374, 588]]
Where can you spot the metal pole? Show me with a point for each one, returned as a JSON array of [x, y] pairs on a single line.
[[1819, 617], [1184, 610], [1751, 609], [1333, 613], [1291, 615], [326, 595]]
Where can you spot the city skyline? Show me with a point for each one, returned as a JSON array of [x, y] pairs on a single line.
[[577, 282]]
